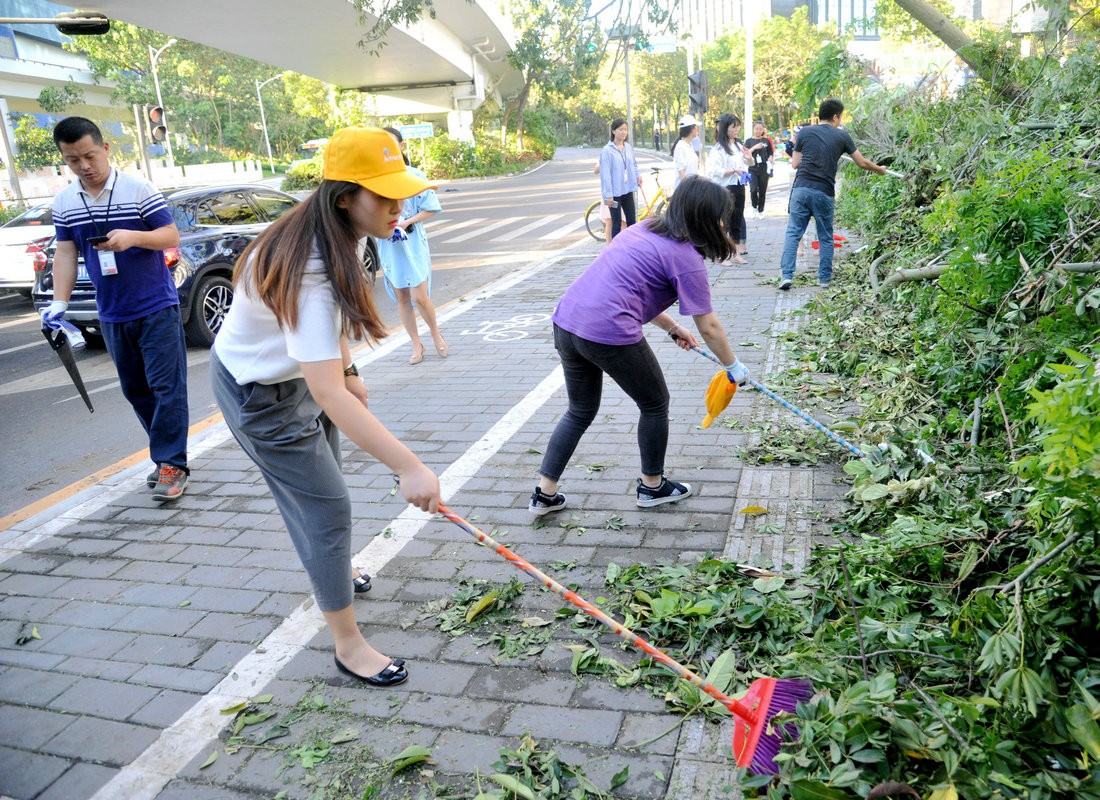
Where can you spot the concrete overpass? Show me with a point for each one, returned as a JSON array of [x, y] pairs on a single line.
[[447, 65]]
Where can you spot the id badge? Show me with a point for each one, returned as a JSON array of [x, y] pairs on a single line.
[[107, 265]]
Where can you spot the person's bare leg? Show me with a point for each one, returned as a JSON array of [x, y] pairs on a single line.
[[351, 648], [427, 313], [407, 313]]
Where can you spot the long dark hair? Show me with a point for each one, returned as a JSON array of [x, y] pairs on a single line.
[[722, 128], [274, 263], [684, 131], [695, 214], [396, 134], [615, 125]]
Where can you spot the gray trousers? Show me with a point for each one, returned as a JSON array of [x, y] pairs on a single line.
[[297, 449]]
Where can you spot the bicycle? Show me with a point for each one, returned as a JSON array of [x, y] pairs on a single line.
[[592, 216]]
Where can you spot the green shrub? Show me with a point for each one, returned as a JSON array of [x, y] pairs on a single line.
[[304, 177]]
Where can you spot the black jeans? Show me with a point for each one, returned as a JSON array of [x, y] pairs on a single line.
[[759, 187], [736, 226], [624, 211], [635, 369]]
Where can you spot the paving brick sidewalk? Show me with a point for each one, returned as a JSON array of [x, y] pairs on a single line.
[[152, 619]]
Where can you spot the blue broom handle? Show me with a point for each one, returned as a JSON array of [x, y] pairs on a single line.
[[793, 409]]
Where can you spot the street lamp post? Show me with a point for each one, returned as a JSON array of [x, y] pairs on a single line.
[[153, 56], [263, 118]]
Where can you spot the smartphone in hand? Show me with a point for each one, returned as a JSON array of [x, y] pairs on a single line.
[[97, 240]]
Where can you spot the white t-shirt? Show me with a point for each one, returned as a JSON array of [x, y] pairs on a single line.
[[718, 161], [255, 349], [684, 158]]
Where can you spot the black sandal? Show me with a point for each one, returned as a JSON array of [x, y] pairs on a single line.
[[361, 583]]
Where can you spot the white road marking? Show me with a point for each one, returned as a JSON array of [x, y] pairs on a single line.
[[480, 231], [564, 230], [538, 223]]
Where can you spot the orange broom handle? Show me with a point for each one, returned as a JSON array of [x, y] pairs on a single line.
[[752, 716]]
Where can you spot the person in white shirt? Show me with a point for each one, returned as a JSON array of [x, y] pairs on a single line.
[[283, 376], [726, 165], [684, 157]]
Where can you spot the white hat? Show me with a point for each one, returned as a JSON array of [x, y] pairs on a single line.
[[688, 120]]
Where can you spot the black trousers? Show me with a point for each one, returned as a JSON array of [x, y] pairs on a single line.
[[759, 187]]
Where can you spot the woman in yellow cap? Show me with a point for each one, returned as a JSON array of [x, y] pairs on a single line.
[[283, 376]]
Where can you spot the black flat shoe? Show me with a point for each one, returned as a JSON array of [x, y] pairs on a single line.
[[394, 674], [361, 583]]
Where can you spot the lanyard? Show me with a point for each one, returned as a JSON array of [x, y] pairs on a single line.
[[106, 214]]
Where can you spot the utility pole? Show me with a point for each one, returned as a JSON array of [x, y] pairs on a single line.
[[747, 127]]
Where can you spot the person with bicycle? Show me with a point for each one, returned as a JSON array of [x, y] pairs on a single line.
[[619, 177], [598, 330]]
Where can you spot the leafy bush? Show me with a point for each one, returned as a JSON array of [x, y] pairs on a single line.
[[952, 632], [303, 177]]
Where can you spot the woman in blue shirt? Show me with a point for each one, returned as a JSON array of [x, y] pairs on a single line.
[[407, 265], [619, 177]]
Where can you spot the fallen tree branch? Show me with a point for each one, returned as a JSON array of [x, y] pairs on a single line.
[[930, 272], [1080, 266], [1018, 581]]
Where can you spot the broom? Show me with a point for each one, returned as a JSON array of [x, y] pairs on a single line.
[[798, 412], [755, 741]]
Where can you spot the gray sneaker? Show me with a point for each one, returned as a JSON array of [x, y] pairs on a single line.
[[823, 284], [171, 484], [153, 478], [545, 503], [785, 284], [667, 492]]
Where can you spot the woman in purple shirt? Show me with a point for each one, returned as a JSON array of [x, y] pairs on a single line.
[[598, 329]]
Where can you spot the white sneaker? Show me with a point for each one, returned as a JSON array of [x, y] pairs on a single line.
[[785, 284]]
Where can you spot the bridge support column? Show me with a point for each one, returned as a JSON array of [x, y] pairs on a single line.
[[460, 125]]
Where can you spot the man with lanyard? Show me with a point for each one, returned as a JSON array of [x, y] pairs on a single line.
[[817, 152], [121, 226]]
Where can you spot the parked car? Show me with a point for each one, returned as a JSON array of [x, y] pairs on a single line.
[[216, 223], [23, 242]]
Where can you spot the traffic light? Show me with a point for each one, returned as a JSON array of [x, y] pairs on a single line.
[[158, 128], [697, 92]]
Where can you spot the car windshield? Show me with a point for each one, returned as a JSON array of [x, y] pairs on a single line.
[[40, 215]]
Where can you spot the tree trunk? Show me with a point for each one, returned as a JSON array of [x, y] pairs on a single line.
[[955, 37], [515, 109]]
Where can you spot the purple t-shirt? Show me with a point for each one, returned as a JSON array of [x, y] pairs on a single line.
[[635, 278]]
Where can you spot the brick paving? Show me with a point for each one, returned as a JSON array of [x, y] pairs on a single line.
[[153, 618]]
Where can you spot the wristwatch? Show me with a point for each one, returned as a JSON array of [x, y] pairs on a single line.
[[351, 369]]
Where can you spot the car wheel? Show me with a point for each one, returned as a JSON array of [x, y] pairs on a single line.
[[209, 305]]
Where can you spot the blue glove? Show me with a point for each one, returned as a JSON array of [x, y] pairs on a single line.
[[737, 372], [399, 235], [53, 314]]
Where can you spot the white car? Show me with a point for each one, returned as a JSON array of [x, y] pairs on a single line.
[[22, 243]]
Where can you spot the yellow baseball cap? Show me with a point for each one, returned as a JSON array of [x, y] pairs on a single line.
[[371, 157]]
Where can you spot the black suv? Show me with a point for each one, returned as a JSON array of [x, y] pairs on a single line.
[[216, 223]]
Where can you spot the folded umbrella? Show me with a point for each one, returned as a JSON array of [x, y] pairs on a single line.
[[56, 335]]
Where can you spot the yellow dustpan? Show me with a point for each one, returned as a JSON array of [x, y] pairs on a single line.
[[719, 394]]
